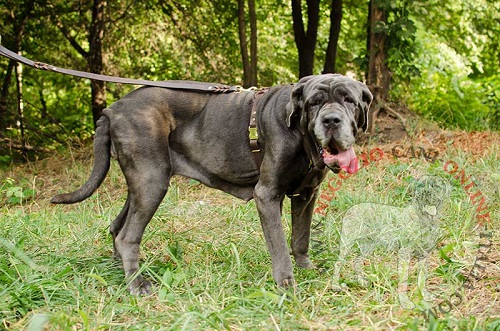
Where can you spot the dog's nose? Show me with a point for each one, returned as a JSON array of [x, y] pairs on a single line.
[[332, 120]]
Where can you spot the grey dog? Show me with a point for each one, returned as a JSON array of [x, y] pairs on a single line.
[[155, 133]]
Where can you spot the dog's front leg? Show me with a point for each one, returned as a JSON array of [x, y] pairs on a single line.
[[302, 212], [269, 203], [422, 279], [404, 258]]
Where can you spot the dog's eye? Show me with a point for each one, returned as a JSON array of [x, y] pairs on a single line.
[[348, 99], [315, 102]]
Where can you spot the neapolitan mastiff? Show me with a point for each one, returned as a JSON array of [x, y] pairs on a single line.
[[303, 129]]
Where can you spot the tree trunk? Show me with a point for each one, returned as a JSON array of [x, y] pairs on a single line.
[[94, 60], [16, 45], [331, 51], [253, 42], [249, 62], [305, 40], [4, 94], [20, 108], [378, 74], [243, 43]]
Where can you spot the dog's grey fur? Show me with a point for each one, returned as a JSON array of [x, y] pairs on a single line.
[[157, 133]]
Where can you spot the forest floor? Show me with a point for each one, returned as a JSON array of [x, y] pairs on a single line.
[[416, 131]]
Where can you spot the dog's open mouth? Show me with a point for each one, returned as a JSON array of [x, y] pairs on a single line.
[[346, 160]]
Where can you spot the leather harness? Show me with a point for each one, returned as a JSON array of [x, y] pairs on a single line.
[[311, 148], [253, 134]]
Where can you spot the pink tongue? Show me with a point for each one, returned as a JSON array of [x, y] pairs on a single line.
[[346, 160]]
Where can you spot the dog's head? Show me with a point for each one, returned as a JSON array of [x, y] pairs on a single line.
[[429, 193], [332, 108]]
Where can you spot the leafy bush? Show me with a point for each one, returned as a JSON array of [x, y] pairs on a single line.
[[442, 88], [15, 194], [451, 101]]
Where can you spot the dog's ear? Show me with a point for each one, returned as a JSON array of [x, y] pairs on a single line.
[[366, 100], [295, 104]]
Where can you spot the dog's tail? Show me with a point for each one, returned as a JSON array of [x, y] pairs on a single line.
[[102, 156]]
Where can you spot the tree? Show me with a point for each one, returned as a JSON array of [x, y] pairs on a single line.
[[378, 75], [331, 51], [19, 22], [249, 62], [203, 39], [93, 57], [305, 39]]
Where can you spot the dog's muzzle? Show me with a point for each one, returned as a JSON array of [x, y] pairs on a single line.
[[333, 131]]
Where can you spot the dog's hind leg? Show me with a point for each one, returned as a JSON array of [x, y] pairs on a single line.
[[144, 158], [146, 191], [117, 225]]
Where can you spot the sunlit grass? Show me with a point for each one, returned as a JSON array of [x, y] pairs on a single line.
[[205, 253]]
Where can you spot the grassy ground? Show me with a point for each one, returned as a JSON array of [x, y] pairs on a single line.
[[205, 253]]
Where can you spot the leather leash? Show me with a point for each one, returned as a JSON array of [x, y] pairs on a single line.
[[172, 84], [309, 145]]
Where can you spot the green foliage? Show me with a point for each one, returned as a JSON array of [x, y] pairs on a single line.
[[451, 73], [401, 33], [491, 99], [443, 56], [5, 160], [443, 90], [452, 102], [15, 194]]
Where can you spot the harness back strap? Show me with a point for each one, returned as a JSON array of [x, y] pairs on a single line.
[[172, 84]]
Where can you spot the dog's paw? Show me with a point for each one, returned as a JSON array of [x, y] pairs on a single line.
[[140, 287], [285, 282], [405, 302], [337, 287], [304, 262], [288, 282]]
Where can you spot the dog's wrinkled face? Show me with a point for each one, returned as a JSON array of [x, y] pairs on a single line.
[[332, 108]]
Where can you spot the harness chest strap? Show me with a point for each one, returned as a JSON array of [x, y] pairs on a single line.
[[310, 147], [252, 128]]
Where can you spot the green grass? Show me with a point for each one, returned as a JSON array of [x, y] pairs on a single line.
[[205, 253]]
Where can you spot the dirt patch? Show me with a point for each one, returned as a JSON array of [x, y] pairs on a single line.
[[420, 133]]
